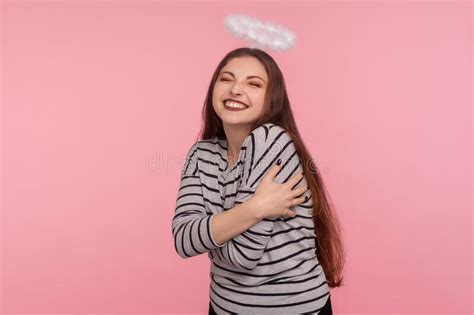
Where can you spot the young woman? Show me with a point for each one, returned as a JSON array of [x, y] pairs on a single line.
[[251, 197]]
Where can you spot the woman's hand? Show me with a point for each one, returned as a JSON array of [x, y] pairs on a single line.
[[273, 200]]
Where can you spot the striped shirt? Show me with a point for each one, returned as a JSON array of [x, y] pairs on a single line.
[[272, 267]]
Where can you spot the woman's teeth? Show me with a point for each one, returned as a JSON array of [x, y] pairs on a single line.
[[235, 105]]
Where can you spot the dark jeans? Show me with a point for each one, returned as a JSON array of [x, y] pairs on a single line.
[[326, 310]]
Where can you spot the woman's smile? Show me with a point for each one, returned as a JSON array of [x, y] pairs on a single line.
[[234, 106]]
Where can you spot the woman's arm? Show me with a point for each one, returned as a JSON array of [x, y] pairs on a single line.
[[266, 145], [237, 236], [191, 224], [197, 231], [231, 223]]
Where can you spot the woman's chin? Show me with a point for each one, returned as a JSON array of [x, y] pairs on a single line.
[[235, 121]]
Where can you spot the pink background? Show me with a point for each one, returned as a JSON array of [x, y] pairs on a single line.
[[102, 100]]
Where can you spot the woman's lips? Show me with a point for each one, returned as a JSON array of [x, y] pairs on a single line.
[[234, 109]]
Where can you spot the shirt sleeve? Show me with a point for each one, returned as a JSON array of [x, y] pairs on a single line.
[[191, 224], [265, 145]]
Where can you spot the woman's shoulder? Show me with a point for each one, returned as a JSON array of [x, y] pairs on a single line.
[[189, 166], [206, 144], [267, 135], [268, 143], [206, 150], [211, 148]]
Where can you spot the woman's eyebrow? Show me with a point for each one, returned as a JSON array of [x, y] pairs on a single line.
[[249, 77]]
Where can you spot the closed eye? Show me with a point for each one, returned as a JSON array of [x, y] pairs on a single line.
[[254, 84]]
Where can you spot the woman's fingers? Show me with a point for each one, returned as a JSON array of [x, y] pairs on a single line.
[[290, 213], [297, 201], [299, 191], [294, 180], [272, 173], [295, 193]]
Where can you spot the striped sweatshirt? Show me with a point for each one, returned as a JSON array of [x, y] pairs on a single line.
[[272, 267]]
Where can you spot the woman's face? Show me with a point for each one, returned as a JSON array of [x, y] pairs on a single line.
[[244, 80]]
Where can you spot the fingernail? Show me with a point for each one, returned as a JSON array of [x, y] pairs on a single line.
[[279, 162]]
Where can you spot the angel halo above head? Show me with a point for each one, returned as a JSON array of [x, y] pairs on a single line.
[[260, 34]]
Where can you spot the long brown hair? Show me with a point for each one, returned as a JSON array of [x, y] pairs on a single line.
[[277, 110]]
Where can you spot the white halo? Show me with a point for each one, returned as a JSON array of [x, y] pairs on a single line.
[[260, 34]]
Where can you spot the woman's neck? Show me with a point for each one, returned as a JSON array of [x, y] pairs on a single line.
[[235, 138]]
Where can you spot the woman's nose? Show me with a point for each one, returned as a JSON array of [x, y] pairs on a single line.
[[236, 89]]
